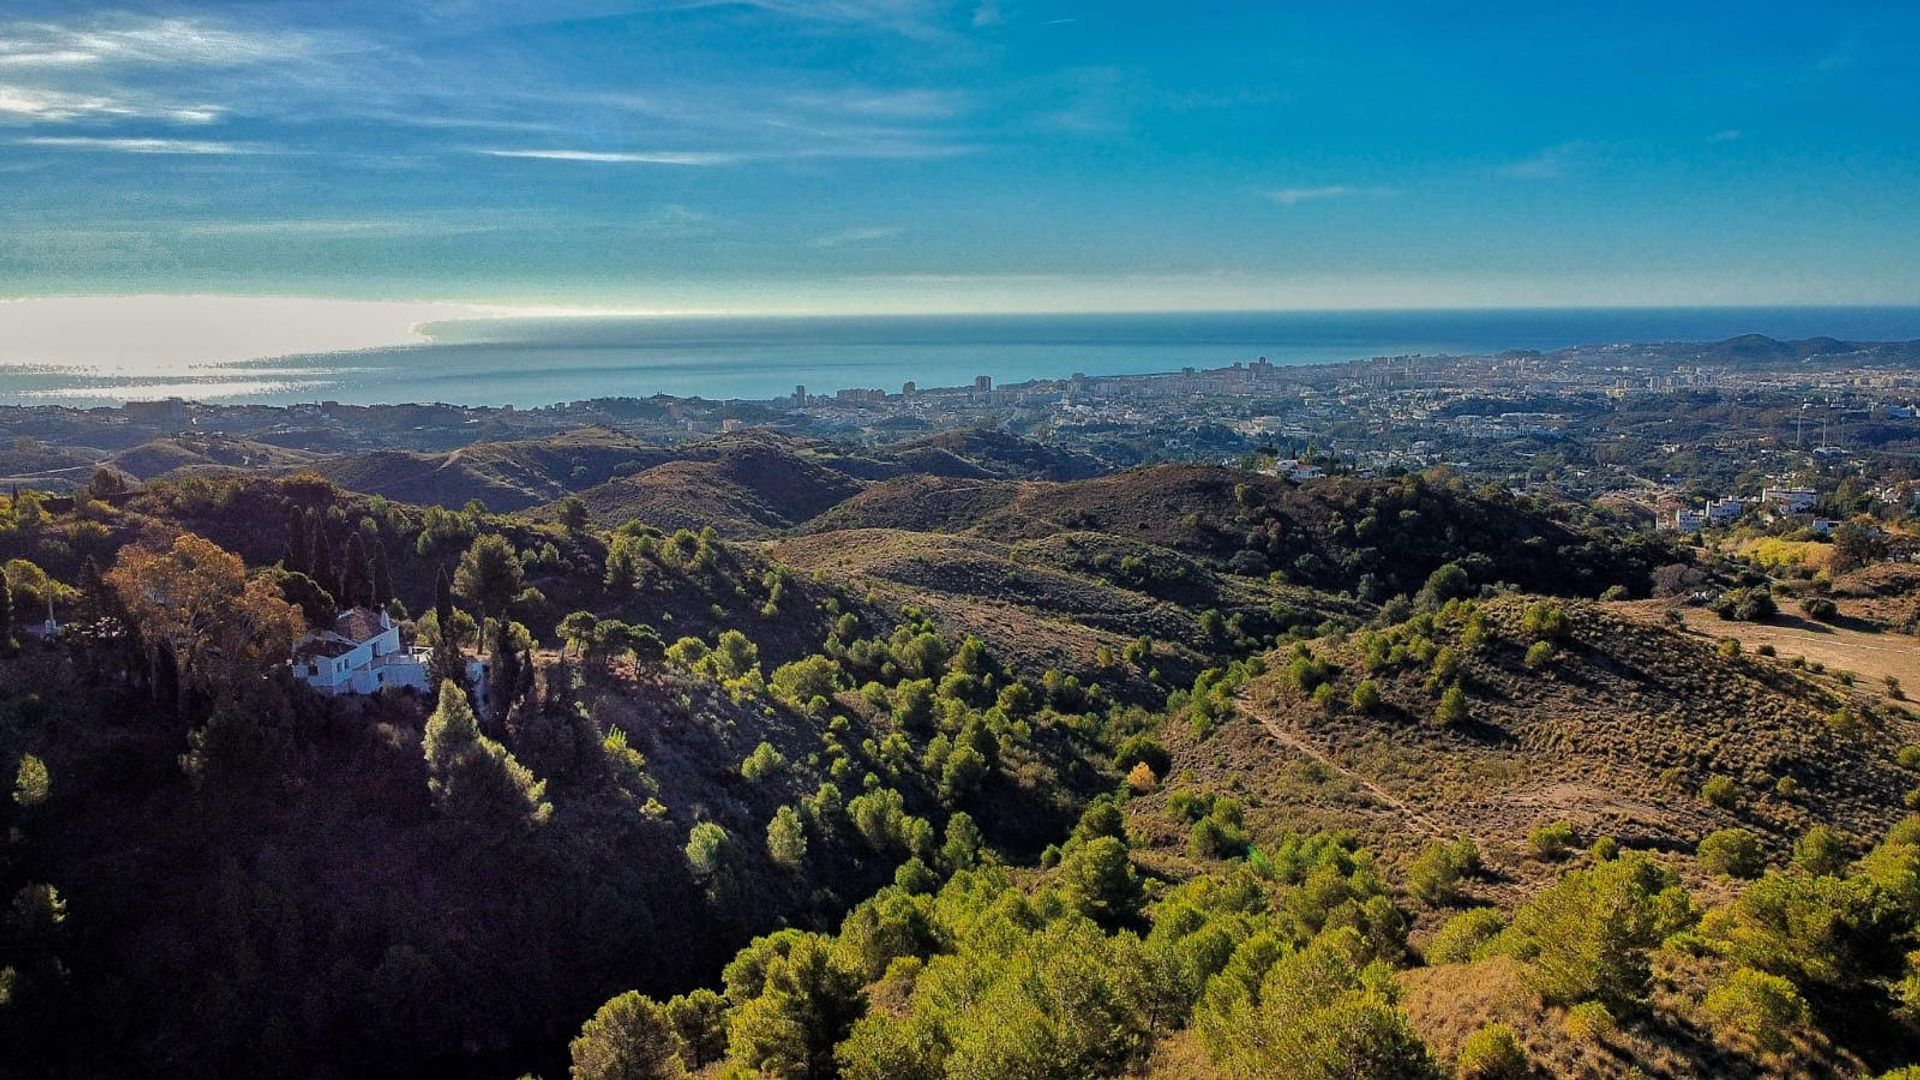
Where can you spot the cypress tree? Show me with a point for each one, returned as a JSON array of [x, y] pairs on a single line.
[[356, 583], [6, 613], [382, 576], [445, 664], [298, 554], [322, 569]]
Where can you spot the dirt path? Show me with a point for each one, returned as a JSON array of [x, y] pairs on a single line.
[[1295, 742]]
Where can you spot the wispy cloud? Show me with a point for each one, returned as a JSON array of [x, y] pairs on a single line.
[[1725, 135], [146, 146], [602, 157], [1551, 163], [38, 105], [1294, 196], [866, 235], [141, 41]]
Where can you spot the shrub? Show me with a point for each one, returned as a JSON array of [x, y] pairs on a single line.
[[1366, 696], [1539, 655], [1909, 757], [1819, 608], [1730, 647], [1756, 1006], [1452, 710], [1492, 1053], [1463, 937], [1822, 850], [1732, 852], [1720, 791], [1552, 840], [1546, 621], [1605, 849], [1140, 778], [1590, 1021], [1433, 878], [1143, 748], [764, 762]]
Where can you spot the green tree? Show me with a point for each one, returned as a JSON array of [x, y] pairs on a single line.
[[32, 784], [1822, 850], [489, 574], [471, 776], [573, 514], [1097, 878], [1588, 934], [356, 575], [629, 1038], [1311, 1016], [806, 1004], [1732, 852], [445, 664], [382, 574], [787, 839]]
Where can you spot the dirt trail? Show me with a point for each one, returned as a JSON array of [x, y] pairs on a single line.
[[1300, 745]]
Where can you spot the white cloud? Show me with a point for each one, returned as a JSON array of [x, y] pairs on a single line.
[[141, 41], [857, 236], [1725, 135], [656, 157], [1550, 163], [146, 146], [40, 105], [1294, 196]]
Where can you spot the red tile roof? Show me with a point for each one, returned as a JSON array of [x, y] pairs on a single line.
[[358, 625]]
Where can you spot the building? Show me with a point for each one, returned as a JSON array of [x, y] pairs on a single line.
[[1792, 500], [1687, 521], [362, 654], [982, 383], [1722, 511]]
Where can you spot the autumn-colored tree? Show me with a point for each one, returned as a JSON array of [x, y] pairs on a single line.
[[194, 601]]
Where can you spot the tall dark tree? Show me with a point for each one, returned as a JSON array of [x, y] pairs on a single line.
[[356, 578], [382, 576], [504, 674], [6, 613], [445, 664], [324, 571], [93, 592], [299, 554]]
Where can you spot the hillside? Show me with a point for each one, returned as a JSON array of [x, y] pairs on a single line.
[[1381, 536], [1616, 735], [506, 476]]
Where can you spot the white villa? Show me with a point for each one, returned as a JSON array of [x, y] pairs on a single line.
[[362, 654]]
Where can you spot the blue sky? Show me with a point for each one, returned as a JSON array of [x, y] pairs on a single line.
[[895, 155]]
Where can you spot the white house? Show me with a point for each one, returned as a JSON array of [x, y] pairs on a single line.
[[362, 654], [1721, 511], [1792, 500]]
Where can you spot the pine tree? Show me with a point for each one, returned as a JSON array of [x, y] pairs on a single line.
[[382, 576], [322, 568], [299, 555], [93, 592], [356, 581]]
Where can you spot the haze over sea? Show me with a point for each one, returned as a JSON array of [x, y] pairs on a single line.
[[532, 361]]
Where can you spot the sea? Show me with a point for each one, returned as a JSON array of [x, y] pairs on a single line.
[[527, 362]]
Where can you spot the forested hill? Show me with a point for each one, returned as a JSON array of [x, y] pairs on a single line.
[[997, 770]]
